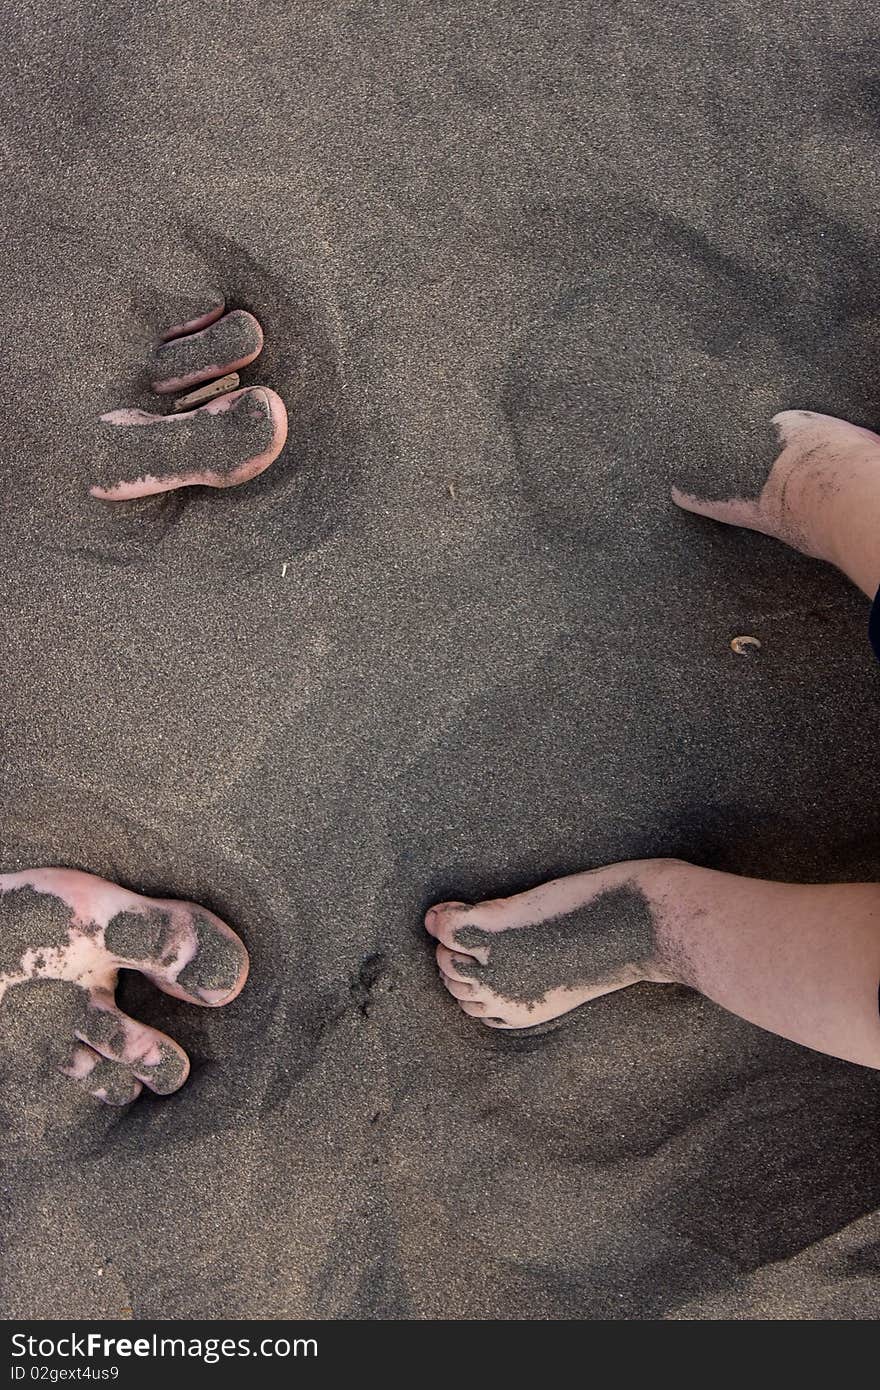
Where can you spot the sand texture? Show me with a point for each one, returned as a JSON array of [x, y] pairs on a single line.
[[519, 266]]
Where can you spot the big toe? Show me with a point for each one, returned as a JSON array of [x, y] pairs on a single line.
[[184, 949], [736, 511], [224, 345], [464, 927], [222, 444], [150, 1056]]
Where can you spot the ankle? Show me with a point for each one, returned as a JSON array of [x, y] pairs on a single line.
[[825, 495], [664, 882], [797, 497]]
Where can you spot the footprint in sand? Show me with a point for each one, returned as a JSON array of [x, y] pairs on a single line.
[[64, 937], [222, 443]]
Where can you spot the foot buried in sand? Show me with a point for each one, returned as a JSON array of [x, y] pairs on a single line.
[[223, 443], [822, 495], [227, 344], [73, 932]]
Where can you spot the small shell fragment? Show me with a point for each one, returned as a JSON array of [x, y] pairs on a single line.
[[207, 392], [743, 645]]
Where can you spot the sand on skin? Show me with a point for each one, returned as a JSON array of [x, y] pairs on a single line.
[[517, 269]]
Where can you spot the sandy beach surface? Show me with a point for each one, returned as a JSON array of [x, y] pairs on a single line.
[[519, 266]]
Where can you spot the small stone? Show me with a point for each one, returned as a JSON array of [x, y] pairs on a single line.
[[743, 646]]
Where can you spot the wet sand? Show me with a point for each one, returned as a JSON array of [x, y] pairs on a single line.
[[519, 268]]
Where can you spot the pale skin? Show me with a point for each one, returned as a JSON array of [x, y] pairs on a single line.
[[801, 960], [190, 354], [73, 931], [62, 932]]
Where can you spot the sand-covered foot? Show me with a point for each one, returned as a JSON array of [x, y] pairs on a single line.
[[64, 937], [198, 322], [516, 962], [222, 443], [826, 474], [205, 348]]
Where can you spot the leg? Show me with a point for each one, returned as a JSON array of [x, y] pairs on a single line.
[[799, 960], [822, 496]]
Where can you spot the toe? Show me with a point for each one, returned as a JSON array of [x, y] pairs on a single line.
[[442, 920], [150, 1056], [196, 322], [222, 444], [456, 965], [110, 1082], [217, 962], [734, 512], [224, 345], [447, 920], [459, 989], [182, 948], [474, 1008]]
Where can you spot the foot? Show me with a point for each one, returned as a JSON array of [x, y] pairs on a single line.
[[205, 348], [516, 962], [71, 932], [225, 442], [822, 494], [800, 960]]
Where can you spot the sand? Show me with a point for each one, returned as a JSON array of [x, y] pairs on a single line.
[[29, 921], [594, 942], [519, 267]]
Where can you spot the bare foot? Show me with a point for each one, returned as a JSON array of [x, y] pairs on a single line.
[[205, 348], [822, 496], [516, 962], [801, 960], [223, 443], [74, 932]]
